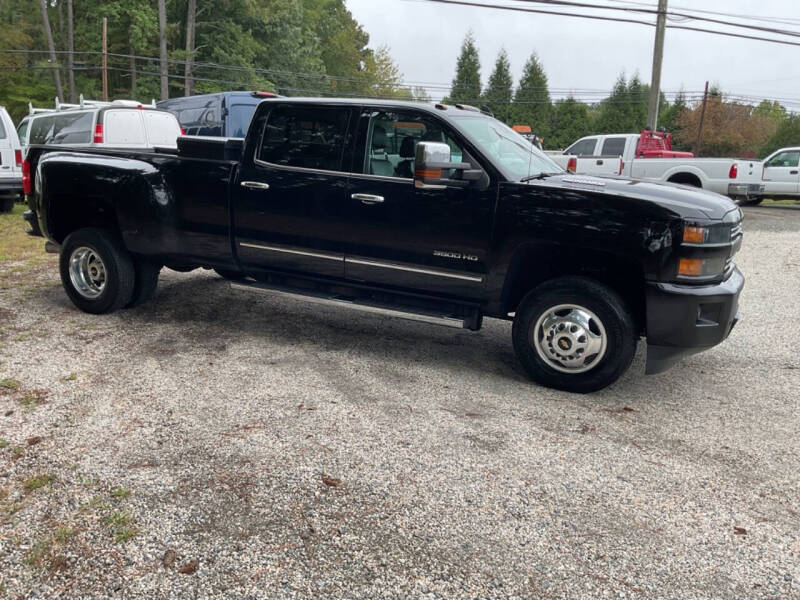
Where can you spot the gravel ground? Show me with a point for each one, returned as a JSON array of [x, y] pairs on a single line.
[[220, 444]]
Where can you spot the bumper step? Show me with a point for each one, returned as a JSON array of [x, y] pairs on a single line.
[[426, 315]]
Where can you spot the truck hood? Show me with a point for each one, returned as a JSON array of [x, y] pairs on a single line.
[[683, 199]]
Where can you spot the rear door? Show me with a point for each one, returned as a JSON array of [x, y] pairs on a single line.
[[161, 128], [424, 240], [7, 161], [123, 128], [782, 173], [289, 211]]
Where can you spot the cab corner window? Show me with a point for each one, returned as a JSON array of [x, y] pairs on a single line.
[[392, 139], [310, 137]]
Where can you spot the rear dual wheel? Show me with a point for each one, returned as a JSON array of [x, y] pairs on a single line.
[[574, 334], [100, 276]]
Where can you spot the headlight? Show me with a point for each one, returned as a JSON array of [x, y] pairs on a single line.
[[698, 235]]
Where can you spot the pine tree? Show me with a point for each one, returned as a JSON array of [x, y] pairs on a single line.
[[499, 90], [466, 87], [531, 104], [570, 122]]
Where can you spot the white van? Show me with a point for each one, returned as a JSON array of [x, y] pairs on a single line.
[[10, 163], [118, 124]]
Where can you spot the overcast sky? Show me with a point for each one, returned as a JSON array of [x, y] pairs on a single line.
[[580, 55]]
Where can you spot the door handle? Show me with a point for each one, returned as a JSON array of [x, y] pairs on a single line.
[[599, 162], [794, 172], [367, 198], [255, 185]]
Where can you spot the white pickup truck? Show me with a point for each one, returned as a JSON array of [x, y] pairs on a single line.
[[780, 176], [649, 155]]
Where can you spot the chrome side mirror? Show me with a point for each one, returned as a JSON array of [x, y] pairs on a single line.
[[433, 168]]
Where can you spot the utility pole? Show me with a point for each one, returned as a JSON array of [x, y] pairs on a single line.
[[105, 59], [51, 48], [658, 55], [162, 49], [698, 143], [70, 52]]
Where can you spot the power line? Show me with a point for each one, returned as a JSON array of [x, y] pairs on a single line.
[[613, 19]]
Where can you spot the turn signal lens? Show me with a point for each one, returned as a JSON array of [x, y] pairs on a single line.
[[693, 234], [690, 267]]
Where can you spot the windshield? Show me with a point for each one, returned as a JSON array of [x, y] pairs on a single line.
[[517, 155]]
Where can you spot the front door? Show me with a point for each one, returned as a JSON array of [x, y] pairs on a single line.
[[290, 211], [423, 240], [782, 173]]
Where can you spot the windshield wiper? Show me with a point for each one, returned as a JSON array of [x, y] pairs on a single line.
[[541, 175]]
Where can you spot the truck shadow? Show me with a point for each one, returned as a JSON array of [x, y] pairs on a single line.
[[199, 312]]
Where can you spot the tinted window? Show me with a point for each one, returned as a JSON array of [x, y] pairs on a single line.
[[312, 137], [239, 117], [198, 116], [392, 140], [613, 147], [785, 159], [2, 131], [66, 128], [582, 148], [21, 130]]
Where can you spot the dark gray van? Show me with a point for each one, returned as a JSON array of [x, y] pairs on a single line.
[[223, 114]]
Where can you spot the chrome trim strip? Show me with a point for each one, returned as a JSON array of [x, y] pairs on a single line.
[[292, 251], [437, 273], [389, 312], [381, 178], [270, 165], [255, 185]]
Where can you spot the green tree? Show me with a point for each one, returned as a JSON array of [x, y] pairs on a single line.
[[466, 86], [499, 92], [570, 122], [531, 104], [788, 134], [383, 77], [774, 111]]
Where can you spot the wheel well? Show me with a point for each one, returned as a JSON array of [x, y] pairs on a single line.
[[534, 266], [66, 215], [686, 179]]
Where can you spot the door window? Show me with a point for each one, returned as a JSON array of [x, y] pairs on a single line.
[[311, 137], [790, 158], [613, 147], [582, 148], [392, 140]]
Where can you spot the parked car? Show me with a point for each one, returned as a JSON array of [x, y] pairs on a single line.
[[649, 155], [440, 214], [10, 163], [90, 123], [224, 114], [780, 176]]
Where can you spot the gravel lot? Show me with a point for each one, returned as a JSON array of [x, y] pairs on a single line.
[[220, 444]]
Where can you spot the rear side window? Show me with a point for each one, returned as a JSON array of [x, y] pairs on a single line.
[[2, 131], [239, 117], [613, 147], [162, 128], [200, 115], [22, 129], [66, 128], [312, 137], [582, 148], [123, 128]]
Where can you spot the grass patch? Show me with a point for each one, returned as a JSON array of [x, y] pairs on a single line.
[[38, 481], [9, 384], [123, 534], [17, 452], [120, 492], [4, 444], [15, 244], [70, 377], [118, 519], [31, 400], [63, 534]]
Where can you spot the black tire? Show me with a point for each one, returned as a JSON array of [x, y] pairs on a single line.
[[230, 274], [146, 282], [119, 273], [607, 306]]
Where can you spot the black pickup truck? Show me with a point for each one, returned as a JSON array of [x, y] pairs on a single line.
[[430, 212]]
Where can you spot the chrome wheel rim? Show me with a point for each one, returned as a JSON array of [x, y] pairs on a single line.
[[569, 338], [87, 272]]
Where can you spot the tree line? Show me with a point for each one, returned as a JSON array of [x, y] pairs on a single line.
[[730, 127], [166, 48]]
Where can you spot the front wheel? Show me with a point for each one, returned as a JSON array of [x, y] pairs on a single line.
[[96, 271], [574, 334]]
